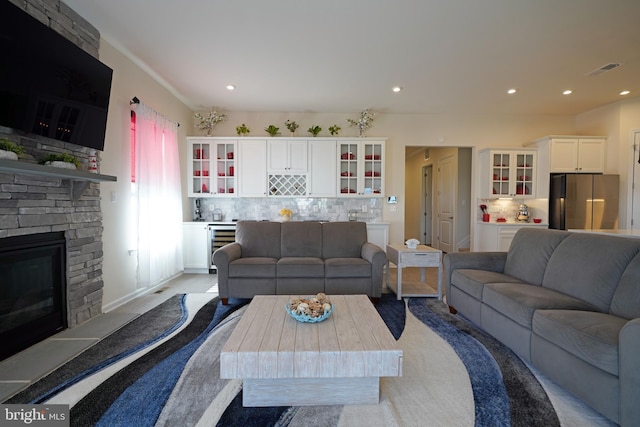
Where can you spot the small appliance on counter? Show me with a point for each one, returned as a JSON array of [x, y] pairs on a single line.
[[198, 211], [523, 213], [218, 215]]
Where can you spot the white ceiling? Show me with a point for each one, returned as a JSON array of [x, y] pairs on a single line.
[[450, 56]]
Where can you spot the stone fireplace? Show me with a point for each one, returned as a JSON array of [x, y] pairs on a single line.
[[33, 203]]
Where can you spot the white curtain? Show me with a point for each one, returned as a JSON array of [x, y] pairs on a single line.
[[159, 198]]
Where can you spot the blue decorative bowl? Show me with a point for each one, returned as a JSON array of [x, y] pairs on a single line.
[[306, 318]]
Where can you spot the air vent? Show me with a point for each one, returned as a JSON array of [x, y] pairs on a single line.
[[603, 69]]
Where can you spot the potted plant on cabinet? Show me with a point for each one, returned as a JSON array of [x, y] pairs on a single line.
[[334, 130], [242, 130], [314, 130], [272, 130], [292, 126]]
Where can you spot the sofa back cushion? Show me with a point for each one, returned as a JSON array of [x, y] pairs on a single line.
[[343, 239], [259, 238], [530, 251], [589, 266], [626, 299], [301, 239]]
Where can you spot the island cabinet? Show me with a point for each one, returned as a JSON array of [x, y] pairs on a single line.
[[211, 167], [507, 173], [495, 236], [252, 167], [361, 167], [322, 168]]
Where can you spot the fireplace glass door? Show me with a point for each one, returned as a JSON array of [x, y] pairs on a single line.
[[32, 290]]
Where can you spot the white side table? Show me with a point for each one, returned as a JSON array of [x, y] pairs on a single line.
[[423, 256]]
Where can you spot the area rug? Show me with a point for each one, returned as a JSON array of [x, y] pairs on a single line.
[[163, 369]]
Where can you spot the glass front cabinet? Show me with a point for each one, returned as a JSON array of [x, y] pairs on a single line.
[[508, 173], [211, 167], [361, 168]]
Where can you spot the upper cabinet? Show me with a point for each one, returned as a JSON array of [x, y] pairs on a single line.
[[361, 168], [322, 168], [252, 167], [575, 154], [285, 167], [287, 156], [211, 167], [508, 173]]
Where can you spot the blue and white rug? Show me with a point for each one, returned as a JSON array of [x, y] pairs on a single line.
[[163, 369]]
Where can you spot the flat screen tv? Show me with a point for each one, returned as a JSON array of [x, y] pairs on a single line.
[[48, 85]]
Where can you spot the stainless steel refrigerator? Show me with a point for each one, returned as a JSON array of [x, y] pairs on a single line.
[[583, 201]]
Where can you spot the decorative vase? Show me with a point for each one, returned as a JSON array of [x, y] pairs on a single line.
[[286, 218]]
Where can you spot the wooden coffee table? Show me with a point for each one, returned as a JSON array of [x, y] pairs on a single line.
[[283, 362]]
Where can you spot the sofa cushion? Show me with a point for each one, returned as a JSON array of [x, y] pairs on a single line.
[[300, 267], [343, 239], [626, 299], [301, 239], [472, 281], [259, 238], [347, 267], [530, 251], [519, 301], [253, 267], [589, 267], [589, 336]]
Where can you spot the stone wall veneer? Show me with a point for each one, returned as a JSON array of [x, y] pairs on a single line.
[[35, 204]]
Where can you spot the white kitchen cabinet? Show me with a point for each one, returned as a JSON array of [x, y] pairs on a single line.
[[498, 236], [322, 168], [195, 246], [287, 156], [252, 167], [575, 154], [508, 173], [378, 234], [361, 167], [211, 164]]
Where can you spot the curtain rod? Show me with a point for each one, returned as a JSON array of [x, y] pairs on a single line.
[[135, 101]]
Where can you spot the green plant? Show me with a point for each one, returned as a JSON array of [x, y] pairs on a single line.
[[334, 129], [291, 125], [61, 157], [7, 145], [314, 130], [242, 129], [272, 130]]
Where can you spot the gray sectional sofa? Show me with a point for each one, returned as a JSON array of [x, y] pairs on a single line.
[[568, 303], [299, 258]]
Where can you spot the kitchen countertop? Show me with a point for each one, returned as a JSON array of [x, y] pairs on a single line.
[[630, 232], [542, 224]]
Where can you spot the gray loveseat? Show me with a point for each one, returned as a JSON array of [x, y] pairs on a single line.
[[299, 258], [568, 303]]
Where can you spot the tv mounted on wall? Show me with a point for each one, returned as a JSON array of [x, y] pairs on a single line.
[[48, 85]]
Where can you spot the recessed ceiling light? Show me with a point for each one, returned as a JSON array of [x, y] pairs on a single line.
[[625, 92], [512, 91], [397, 88], [231, 87], [567, 92]]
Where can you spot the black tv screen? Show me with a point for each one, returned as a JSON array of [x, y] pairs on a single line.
[[48, 85]]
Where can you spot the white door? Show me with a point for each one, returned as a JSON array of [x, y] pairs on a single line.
[[427, 204], [446, 203]]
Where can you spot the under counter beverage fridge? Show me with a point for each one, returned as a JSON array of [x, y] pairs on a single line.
[[583, 201]]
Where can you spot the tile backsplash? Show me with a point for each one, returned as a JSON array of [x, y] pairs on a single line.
[[303, 208]]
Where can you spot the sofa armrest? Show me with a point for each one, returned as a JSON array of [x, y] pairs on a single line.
[[629, 373], [378, 259], [221, 258], [489, 261]]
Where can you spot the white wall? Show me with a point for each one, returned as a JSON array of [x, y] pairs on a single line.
[[119, 267]]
